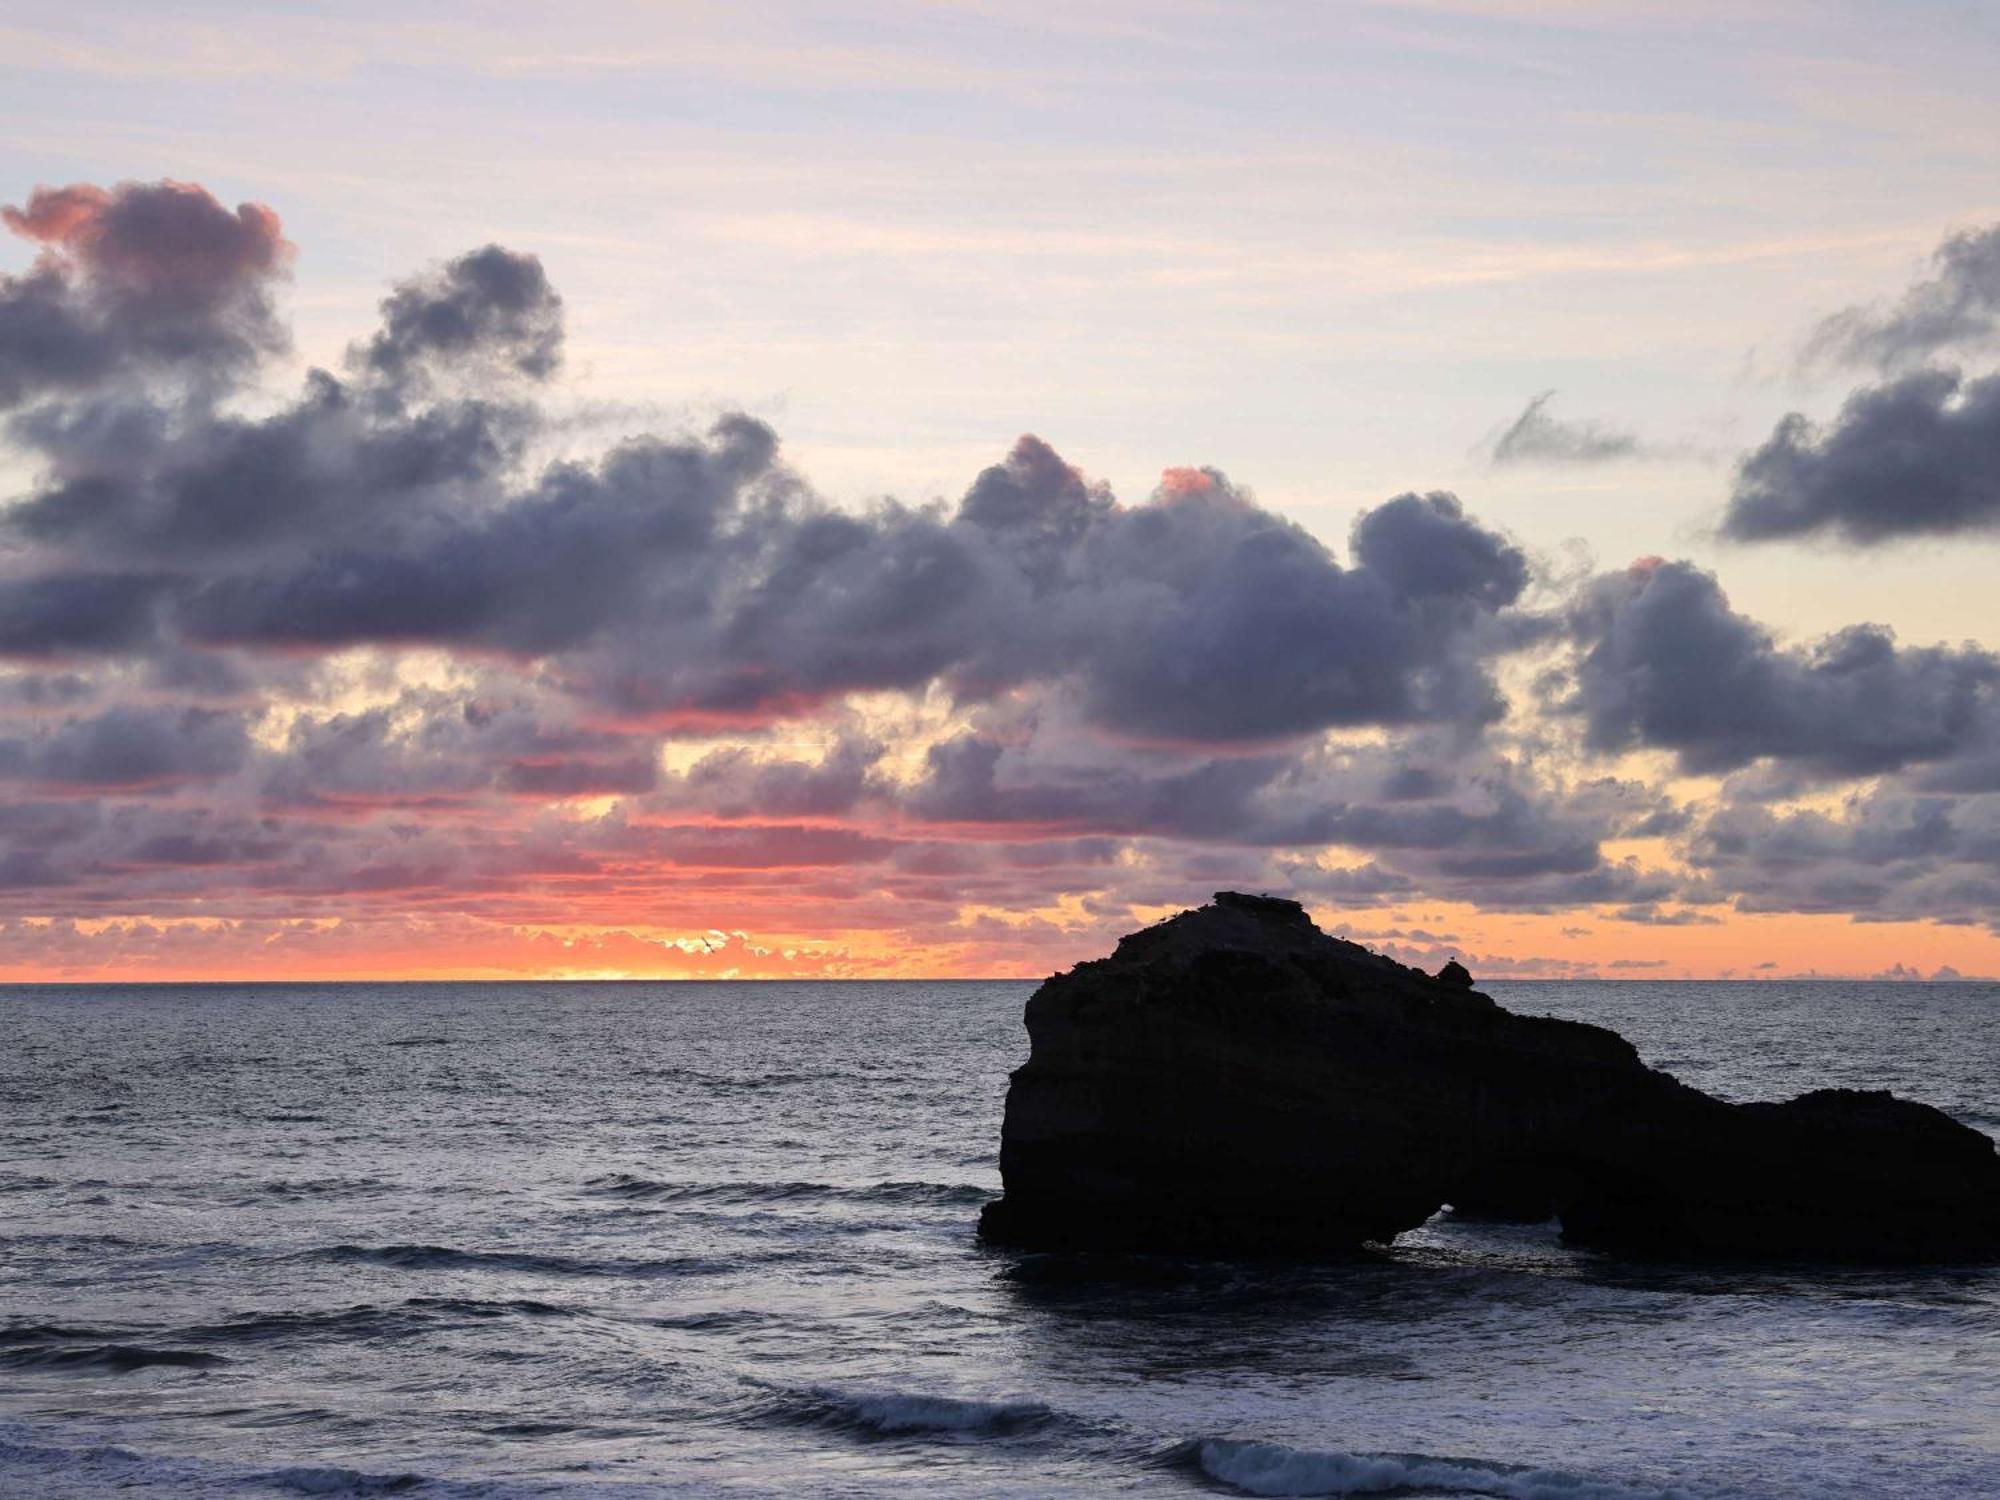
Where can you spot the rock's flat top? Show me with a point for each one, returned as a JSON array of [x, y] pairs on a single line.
[[1234, 1079]]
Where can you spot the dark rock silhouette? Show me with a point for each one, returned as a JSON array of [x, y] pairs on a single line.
[[1234, 1080]]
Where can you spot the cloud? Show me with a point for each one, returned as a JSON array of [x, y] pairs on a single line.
[[77, 613], [1663, 662], [734, 782], [489, 305], [385, 455], [1488, 830], [365, 652], [1428, 548], [1957, 307], [698, 579], [1203, 617], [142, 278], [1137, 693], [429, 747], [1917, 456], [129, 747], [1652, 915], [1884, 853], [1536, 437]]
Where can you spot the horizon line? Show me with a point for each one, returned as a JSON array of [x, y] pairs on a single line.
[[221, 982]]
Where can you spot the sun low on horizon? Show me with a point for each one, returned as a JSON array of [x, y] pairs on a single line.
[[920, 491]]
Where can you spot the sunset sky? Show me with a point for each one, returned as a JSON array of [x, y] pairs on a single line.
[[921, 489]]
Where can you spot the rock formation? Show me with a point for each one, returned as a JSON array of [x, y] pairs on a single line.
[[1234, 1080]]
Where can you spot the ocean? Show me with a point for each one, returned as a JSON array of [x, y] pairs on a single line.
[[633, 1240]]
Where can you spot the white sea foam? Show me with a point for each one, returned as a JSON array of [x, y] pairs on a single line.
[[1274, 1469]]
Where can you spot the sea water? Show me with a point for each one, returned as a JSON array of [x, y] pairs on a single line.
[[627, 1240]]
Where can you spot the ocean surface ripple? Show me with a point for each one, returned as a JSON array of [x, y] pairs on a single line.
[[636, 1240]]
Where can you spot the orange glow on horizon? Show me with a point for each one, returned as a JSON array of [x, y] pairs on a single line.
[[1025, 946]]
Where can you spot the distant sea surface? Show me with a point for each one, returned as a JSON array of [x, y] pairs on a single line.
[[633, 1240]]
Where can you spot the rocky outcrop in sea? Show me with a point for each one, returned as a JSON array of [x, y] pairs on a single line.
[[1234, 1080]]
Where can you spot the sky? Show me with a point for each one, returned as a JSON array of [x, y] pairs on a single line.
[[780, 489]]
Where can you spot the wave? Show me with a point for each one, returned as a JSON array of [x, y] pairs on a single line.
[[897, 1414], [42, 1333], [317, 1187], [116, 1359], [715, 1320], [449, 1258], [330, 1479], [726, 1083], [363, 1320], [473, 1307], [1252, 1468], [630, 1186], [28, 1459]]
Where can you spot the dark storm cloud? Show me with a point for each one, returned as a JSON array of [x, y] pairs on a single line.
[[429, 748], [1140, 692], [583, 548], [380, 459], [320, 471], [1536, 437], [1202, 617], [77, 613], [1917, 456], [1490, 832], [699, 580], [1664, 663], [1198, 616], [1038, 507], [1652, 915], [128, 747], [675, 579], [1366, 885], [628, 776], [980, 781], [1428, 548], [136, 279], [1507, 834], [1957, 306], [733, 782], [490, 306], [1410, 783], [1886, 854]]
